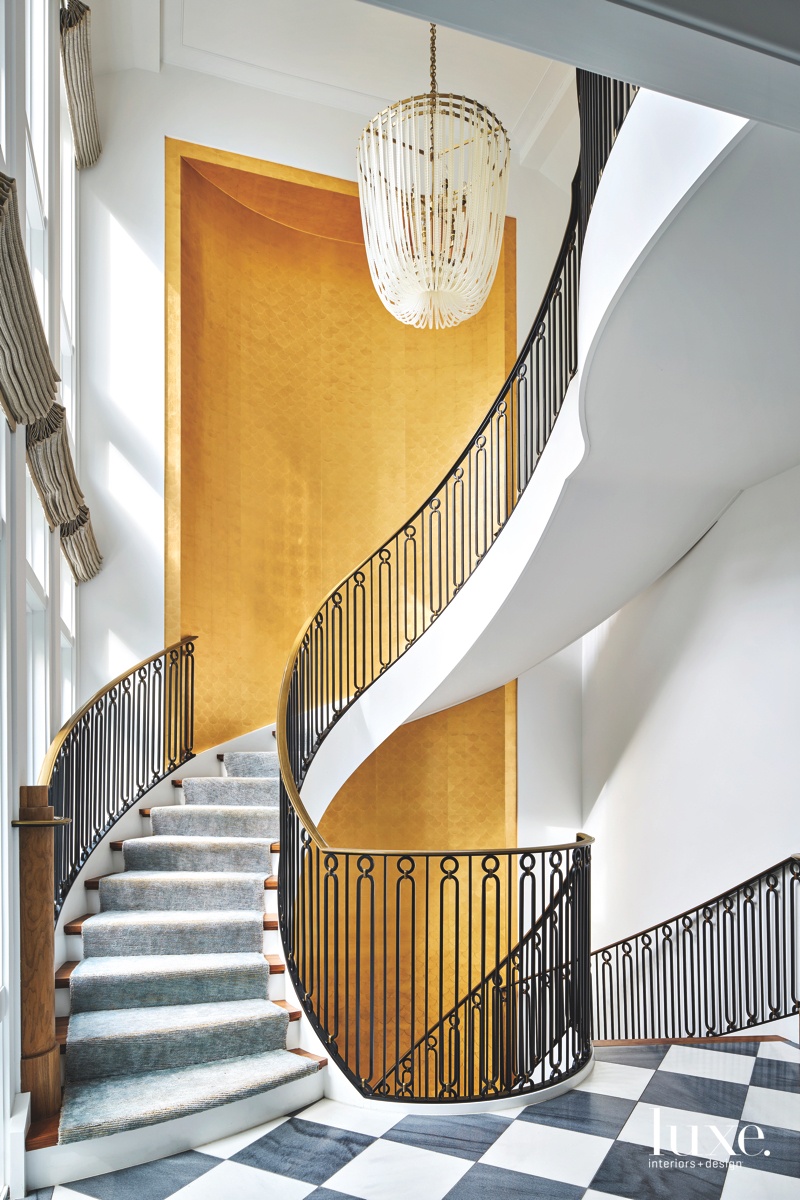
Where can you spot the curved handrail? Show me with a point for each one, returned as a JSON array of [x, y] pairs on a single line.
[[498, 409], [364, 625], [131, 734]]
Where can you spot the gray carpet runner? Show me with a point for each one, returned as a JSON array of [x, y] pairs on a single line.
[[169, 1007]]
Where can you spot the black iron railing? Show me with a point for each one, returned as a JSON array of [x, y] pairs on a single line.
[[729, 964], [524, 1025], [128, 737], [343, 938]]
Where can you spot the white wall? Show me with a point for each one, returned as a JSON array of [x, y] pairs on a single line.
[[122, 312], [549, 750], [691, 710]]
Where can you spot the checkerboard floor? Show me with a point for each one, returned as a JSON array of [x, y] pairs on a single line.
[[727, 1116]]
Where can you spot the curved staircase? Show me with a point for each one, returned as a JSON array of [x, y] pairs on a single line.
[[174, 968]]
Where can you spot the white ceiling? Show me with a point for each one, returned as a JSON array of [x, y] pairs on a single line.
[[347, 55]]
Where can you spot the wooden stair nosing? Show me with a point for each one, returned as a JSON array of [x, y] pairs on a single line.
[[43, 1133], [270, 922], [276, 964], [63, 973], [76, 924], [321, 1062]]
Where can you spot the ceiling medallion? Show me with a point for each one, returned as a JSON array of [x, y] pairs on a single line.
[[433, 180]]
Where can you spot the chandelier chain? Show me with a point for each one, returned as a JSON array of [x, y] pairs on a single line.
[[433, 60]]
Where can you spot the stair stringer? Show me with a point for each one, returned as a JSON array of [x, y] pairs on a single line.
[[462, 654]]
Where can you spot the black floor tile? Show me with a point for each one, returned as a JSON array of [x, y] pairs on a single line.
[[729, 1047], [154, 1180], [40, 1194], [627, 1171], [482, 1182], [774, 1073], [584, 1112], [304, 1150], [715, 1096], [778, 1152], [463, 1137], [323, 1193], [648, 1057]]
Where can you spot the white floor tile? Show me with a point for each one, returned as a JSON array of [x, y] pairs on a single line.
[[245, 1183], [695, 1133], [743, 1183], [391, 1171], [780, 1050], [548, 1151], [768, 1106], [347, 1116], [708, 1064], [228, 1146], [617, 1079], [61, 1192]]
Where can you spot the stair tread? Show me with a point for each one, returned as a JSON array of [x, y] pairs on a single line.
[[43, 1133], [176, 916], [196, 839], [294, 1013], [271, 923], [93, 884], [64, 971], [131, 1102], [137, 965], [276, 964], [317, 1058], [139, 1022], [271, 883], [76, 924]]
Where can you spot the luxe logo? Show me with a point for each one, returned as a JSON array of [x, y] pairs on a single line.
[[727, 1144]]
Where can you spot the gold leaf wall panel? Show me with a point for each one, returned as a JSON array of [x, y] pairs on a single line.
[[304, 423], [447, 778], [445, 782]]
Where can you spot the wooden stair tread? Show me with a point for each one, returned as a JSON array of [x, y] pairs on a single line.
[[294, 1013], [62, 1025], [276, 964], [275, 848], [43, 1133], [93, 885], [118, 844], [145, 812], [63, 973], [76, 924], [271, 883], [271, 922], [177, 783], [322, 1062]]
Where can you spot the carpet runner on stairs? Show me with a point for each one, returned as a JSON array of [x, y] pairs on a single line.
[[170, 1007]]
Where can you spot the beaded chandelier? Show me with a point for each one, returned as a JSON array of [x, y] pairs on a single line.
[[432, 180]]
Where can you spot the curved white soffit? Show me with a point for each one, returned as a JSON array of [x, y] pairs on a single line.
[[395, 696], [663, 153], [611, 256]]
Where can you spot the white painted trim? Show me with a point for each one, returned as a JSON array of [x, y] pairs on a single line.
[[18, 1130]]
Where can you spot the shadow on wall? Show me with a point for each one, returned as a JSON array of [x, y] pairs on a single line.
[[669, 646]]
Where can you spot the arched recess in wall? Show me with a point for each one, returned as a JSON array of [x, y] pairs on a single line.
[[303, 424]]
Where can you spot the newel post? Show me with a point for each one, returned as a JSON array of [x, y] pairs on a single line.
[[41, 1063]]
